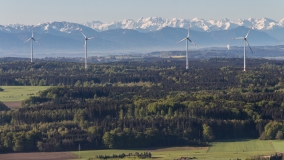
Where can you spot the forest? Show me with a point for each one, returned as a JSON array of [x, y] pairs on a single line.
[[147, 103]]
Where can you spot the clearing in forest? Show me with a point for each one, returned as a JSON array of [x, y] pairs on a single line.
[[19, 93]]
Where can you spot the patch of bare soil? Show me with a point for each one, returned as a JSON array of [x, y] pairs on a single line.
[[13, 105], [38, 156]]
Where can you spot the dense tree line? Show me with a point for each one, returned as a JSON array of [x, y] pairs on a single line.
[[135, 155], [142, 104]]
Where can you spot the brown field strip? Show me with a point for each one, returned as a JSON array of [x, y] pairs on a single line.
[[38, 156], [13, 105]]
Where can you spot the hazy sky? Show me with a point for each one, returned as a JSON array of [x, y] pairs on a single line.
[[80, 11]]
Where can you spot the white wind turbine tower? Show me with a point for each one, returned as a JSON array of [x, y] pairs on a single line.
[[86, 39], [245, 43], [32, 39], [187, 39], [228, 46]]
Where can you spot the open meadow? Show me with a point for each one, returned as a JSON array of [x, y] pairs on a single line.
[[19, 93], [278, 145], [13, 95], [225, 150]]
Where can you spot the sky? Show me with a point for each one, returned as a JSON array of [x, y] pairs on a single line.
[[32, 12]]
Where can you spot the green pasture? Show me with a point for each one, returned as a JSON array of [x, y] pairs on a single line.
[[241, 146], [19, 93], [225, 150], [278, 145], [239, 149]]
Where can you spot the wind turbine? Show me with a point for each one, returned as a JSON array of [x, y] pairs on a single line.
[[245, 43], [228, 46], [187, 39], [86, 39], [32, 39]]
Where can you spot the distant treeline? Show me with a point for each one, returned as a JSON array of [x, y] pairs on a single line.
[[142, 104], [136, 155]]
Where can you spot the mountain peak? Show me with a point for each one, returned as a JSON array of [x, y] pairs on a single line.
[[195, 19], [281, 21]]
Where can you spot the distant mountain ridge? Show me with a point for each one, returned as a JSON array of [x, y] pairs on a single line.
[[152, 34], [151, 24], [270, 26], [156, 23]]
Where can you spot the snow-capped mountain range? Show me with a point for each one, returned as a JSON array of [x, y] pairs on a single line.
[[150, 34], [157, 23]]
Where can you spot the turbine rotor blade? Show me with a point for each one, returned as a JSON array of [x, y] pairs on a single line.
[[36, 41], [249, 46], [192, 43], [188, 31], [27, 40], [181, 40], [91, 37], [248, 32], [239, 38], [83, 34]]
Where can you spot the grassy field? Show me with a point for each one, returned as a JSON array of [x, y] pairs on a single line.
[[241, 146], [241, 149], [278, 145], [19, 93]]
